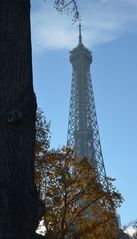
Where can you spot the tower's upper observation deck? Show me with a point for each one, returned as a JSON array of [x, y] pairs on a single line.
[[80, 50]]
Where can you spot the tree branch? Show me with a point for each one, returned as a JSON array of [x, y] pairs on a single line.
[[82, 209], [63, 6]]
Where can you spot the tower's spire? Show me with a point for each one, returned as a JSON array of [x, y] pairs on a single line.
[[80, 36]]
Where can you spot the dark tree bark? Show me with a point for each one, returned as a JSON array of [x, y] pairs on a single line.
[[19, 203]]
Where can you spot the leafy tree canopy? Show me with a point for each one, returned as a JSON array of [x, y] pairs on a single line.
[[75, 201]]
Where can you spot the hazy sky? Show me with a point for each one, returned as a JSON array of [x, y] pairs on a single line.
[[109, 29]]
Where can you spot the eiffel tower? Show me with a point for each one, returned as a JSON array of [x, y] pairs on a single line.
[[83, 133]]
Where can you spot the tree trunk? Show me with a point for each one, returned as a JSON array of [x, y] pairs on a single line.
[[18, 197]]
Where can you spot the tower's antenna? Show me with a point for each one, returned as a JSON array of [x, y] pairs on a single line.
[[80, 35]]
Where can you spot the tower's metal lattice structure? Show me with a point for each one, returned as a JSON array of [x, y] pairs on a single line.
[[83, 133]]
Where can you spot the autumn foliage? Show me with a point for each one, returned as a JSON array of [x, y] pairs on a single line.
[[76, 204]]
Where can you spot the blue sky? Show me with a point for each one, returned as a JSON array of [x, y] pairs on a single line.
[[110, 31]]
